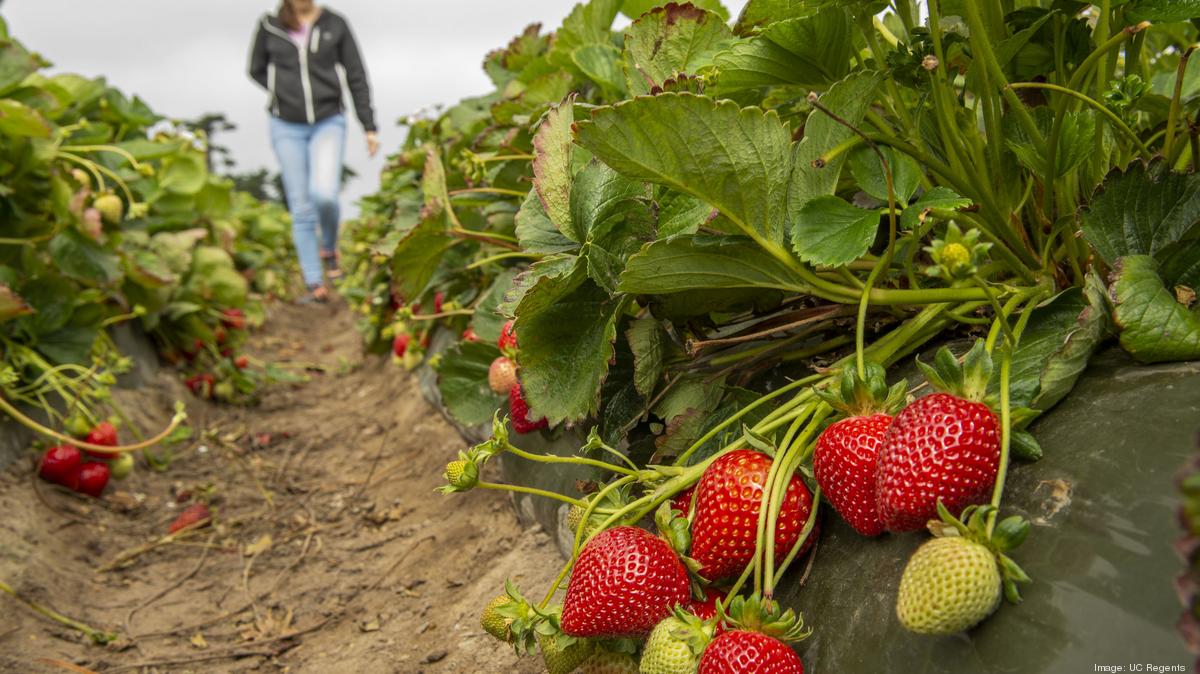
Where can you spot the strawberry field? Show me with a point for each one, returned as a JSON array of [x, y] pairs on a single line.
[[828, 337]]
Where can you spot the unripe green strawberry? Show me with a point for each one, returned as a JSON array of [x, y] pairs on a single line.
[[675, 646], [949, 585], [495, 624], [110, 207], [462, 475], [121, 466], [608, 662], [561, 659]]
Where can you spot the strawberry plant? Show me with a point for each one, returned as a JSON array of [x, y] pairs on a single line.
[[109, 216], [700, 239]]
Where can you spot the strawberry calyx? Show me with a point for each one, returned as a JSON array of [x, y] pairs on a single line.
[[957, 256], [967, 380], [695, 632], [526, 625], [757, 614], [856, 396], [1006, 535]]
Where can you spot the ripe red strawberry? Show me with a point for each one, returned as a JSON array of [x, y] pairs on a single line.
[[683, 500], [944, 446], [502, 375], [439, 299], [625, 581], [103, 434], [201, 384], [469, 335], [93, 478], [939, 447], [742, 652], [844, 465], [847, 452], [519, 411], [195, 516], [241, 363], [400, 344], [508, 339], [60, 465], [706, 609], [234, 319], [728, 498]]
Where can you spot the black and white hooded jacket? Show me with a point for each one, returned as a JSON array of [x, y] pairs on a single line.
[[304, 83]]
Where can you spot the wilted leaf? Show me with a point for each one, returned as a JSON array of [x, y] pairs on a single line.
[[667, 41], [552, 169], [1154, 327]]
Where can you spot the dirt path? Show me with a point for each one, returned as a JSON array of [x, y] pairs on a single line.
[[331, 552]]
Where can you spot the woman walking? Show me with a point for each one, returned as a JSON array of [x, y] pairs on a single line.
[[295, 57]]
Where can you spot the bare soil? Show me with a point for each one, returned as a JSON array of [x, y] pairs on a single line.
[[330, 551]]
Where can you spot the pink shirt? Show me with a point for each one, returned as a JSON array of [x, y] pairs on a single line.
[[300, 37]]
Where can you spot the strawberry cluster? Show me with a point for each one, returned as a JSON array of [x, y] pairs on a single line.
[[86, 472]]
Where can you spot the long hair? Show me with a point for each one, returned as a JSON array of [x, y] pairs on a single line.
[[287, 15]]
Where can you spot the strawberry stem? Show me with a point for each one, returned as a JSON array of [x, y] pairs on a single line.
[[797, 454], [530, 490], [577, 460], [34, 426], [1006, 356], [92, 633]]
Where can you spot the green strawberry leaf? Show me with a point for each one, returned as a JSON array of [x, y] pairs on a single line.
[[418, 256], [868, 171], [849, 99], [565, 352], [81, 258], [680, 38], [647, 340], [589, 23], [552, 169], [1139, 213], [812, 51], [758, 13], [1074, 144], [1162, 11], [463, 382], [1154, 326], [705, 263], [536, 233], [487, 321], [601, 63], [20, 121], [680, 213], [544, 283], [832, 232], [942, 198], [735, 159]]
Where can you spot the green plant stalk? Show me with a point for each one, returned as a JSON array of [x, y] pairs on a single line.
[[575, 460], [1176, 102], [796, 455], [97, 636], [1117, 123], [34, 426], [983, 51], [1006, 419], [800, 383], [824, 347], [809, 525], [503, 256], [530, 490], [763, 533], [1076, 83], [867, 26], [1103, 29], [103, 148]]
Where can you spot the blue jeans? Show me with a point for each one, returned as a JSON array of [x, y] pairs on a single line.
[[310, 160]]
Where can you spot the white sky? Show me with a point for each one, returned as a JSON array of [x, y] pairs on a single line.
[[189, 58]]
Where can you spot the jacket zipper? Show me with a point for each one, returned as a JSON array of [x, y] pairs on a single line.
[[305, 82]]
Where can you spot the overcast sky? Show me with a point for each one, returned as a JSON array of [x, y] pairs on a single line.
[[189, 58]]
